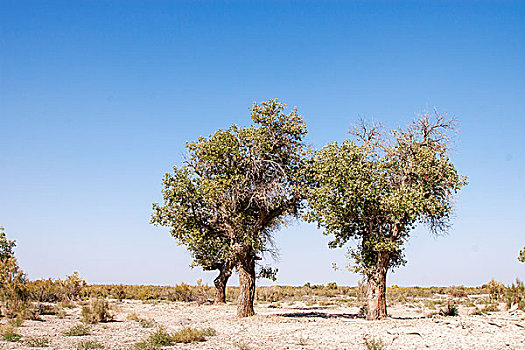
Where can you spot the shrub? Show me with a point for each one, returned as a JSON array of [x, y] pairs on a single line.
[[89, 344], [374, 344], [191, 335], [77, 331], [451, 310], [37, 342], [162, 338], [515, 295], [492, 307], [9, 334], [47, 309], [15, 322], [331, 285], [496, 290], [52, 291], [97, 311], [13, 292]]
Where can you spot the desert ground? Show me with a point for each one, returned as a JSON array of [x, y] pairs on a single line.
[[285, 325]]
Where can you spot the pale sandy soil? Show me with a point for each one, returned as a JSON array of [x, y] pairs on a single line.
[[291, 326]]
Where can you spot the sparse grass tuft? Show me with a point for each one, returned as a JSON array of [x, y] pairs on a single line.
[[77, 331], [144, 322], [374, 344], [89, 344], [192, 335], [242, 345], [161, 337], [303, 341], [9, 334], [37, 342], [15, 322]]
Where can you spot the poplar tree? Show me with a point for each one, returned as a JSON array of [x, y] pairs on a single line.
[[235, 189], [375, 187]]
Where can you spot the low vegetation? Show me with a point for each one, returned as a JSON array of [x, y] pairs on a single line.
[[89, 344], [374, 344], [96, 311], [77, 331], [10, 334], [37, 342], [161, 337]]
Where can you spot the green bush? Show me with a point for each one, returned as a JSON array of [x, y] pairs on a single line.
[[515, 295]]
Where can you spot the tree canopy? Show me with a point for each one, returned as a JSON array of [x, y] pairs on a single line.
[[237, 186], [375, 187]]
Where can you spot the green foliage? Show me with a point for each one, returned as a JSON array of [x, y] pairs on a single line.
[[235, 187], [515, 295], [97, 311], [160, 338], [13, 292], [6, 246], [78, 331], [267, 272], [376, 187]]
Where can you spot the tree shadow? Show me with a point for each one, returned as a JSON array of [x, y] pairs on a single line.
[[405, 318], [317, 314]]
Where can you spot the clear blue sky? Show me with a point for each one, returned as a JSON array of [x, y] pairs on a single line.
[[97, 99]]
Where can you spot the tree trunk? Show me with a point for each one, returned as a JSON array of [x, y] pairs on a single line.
[[220, 282], [246, 270], [376, 294]]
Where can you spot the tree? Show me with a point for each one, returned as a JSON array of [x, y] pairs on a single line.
[[376, 187], [12, 279], [236, 188], [6, 246], [521, 257]]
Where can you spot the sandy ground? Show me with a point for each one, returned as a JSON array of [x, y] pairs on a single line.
[[291, 326]]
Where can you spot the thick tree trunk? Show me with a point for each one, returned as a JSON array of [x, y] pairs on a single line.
[[220, 282], [376, 294], [246, 270]]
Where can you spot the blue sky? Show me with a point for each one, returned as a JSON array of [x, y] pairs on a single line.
[[97, 99]]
